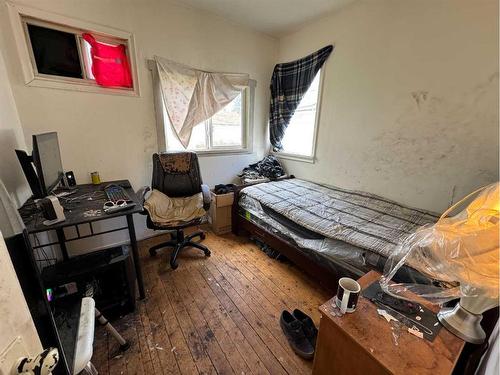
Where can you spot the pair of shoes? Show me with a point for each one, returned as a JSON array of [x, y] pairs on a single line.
[[300, 332]]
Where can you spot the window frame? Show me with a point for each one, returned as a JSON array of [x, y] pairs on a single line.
[[20, 16], [304, 158], [245, 109], [160, 120]]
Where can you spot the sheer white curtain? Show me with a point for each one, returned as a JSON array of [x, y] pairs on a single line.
[[192, 96]]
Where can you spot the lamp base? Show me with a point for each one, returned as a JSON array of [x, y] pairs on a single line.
[[463, 324]]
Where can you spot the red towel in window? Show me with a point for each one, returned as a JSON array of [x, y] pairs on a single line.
[[109, 63]]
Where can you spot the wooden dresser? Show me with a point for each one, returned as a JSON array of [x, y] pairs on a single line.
[[361, 343]]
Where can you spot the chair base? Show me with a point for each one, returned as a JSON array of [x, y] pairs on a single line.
[[180, 242]]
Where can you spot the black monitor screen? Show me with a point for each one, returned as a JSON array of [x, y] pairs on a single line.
[[47, 159]]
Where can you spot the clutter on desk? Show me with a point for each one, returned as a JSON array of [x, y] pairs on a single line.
[[267, 169], [52, 210], [96, 179], [347, 294], [416, 318], [92, 213], [70, 179]]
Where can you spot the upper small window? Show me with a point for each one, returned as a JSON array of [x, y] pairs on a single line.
[[300, 134], [60, 52], [69, 53]]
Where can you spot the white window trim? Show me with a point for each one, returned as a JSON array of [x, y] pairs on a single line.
[[248, 129], [304, 158], [17, 14]]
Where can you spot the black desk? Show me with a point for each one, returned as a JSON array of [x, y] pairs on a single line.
[[77, 212]]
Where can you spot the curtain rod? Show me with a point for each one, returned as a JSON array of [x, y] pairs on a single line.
[[251, 82]]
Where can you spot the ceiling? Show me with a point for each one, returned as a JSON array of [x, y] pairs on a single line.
[[272, 17]]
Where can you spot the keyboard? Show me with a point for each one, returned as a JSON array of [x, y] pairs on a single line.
[[118, 199], [116, 193]]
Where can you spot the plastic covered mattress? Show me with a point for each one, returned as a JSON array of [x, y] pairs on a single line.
[[329, 252]]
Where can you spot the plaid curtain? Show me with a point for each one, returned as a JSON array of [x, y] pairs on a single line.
[[289, 83]]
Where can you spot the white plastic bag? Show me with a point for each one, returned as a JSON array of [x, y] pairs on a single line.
[[462, 251]]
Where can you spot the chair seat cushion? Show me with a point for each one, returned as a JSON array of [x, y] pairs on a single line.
[[166, 211]]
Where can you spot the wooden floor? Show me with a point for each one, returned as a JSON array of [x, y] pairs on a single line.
[[212, 315]]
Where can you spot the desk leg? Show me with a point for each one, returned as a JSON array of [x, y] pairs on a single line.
[[135, 254], [62, 243]]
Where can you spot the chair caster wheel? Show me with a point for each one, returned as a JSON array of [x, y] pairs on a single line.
[[152, 252], [202, 236], [174, 265]]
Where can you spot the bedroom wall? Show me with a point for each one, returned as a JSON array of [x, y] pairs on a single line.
[[410, 98], [15, 317], [11, 138], [116, 135]]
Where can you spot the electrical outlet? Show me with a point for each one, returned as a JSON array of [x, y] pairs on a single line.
[[11, 354]]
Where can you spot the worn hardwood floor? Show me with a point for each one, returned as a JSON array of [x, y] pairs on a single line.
[[212, 315]]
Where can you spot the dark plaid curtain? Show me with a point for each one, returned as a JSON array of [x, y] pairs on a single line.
[[289, 83]]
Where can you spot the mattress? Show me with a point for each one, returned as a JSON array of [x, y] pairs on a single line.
[[338, 256], [361, 219]]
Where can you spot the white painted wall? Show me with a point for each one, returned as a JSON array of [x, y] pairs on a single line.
[[15, 318], [116, 135], [410, 98], [11, 138]]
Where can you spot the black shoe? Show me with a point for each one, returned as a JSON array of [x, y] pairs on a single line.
[[308, 326], [295, 335]]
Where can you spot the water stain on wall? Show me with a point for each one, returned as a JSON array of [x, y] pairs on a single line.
[[437, 135], [432, 129]]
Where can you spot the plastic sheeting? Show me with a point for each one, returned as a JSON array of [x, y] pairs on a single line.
[[326, 246], [462, 250]]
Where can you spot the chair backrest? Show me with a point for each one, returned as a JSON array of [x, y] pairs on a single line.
[[176, 174]]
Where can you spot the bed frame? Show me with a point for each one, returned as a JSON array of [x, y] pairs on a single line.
[[326, 276]]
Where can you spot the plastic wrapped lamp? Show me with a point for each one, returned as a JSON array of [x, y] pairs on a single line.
[[463, 252]]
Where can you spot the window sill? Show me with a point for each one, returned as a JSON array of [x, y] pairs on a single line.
[[84, 86], [223, 152], [301, 158]]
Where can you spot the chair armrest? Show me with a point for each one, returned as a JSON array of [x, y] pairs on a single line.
[[141, 194], [205, 190]]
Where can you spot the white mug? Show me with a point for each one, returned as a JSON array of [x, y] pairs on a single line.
[[347, 295]]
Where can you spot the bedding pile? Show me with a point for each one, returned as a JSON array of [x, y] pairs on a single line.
[[267, 169], [358, 218]]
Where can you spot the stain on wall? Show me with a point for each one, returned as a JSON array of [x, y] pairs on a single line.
[[434, 133]]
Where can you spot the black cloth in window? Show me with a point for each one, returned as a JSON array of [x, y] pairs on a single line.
[[55, 52]]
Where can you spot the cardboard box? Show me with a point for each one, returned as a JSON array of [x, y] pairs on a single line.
[[220, 212]]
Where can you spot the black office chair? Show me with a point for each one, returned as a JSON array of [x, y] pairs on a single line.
[[177, 174]]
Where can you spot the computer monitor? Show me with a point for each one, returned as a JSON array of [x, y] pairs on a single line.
[[47, 160]]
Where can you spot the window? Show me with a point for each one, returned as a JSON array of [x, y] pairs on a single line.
[[54, 54], [226, 131], [61, 52], [299, 139]]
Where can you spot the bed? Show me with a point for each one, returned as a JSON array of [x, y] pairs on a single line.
[[327, 231]]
